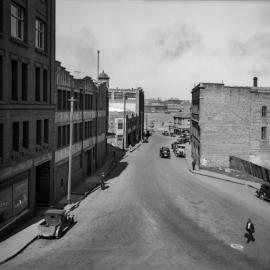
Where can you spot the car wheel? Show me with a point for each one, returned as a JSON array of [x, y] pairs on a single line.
[[58, 233]]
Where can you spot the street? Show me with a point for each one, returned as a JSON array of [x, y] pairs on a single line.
[[156, 214]]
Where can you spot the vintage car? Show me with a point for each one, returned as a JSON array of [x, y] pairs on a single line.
[[264, 192], [164, 152], [56, 222], [180, 150], [145, 139]]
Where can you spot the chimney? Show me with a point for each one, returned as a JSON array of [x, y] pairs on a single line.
[[98, 63], [255, 81]]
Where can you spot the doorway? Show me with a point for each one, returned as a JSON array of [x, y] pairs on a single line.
[[43, 184]]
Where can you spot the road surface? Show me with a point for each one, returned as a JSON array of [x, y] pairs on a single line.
[[157, 215]]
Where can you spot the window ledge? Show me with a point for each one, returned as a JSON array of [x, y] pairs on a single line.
[[19, 42], [40, 51]]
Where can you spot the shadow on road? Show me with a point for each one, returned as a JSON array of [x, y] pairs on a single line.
[[120, 167]]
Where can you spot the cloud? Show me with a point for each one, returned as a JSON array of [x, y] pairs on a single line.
[[175, 41]]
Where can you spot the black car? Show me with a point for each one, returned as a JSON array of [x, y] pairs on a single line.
[[164, 152], [264, 192]]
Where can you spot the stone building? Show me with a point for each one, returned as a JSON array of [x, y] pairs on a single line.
[[27, 79], [89, 128], [181, 122], [230, 121]]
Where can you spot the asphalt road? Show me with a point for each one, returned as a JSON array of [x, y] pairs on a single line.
[[157, 215]]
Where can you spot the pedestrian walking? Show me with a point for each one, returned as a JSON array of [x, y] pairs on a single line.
[[102, 180], [193, 164], [250, 230]]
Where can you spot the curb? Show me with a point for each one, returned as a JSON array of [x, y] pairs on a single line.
[[220, 178], [19, 251]]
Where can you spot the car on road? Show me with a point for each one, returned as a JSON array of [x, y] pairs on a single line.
[[166, 133], [264, 192], [180, 150], [55, 223], [164, 152]]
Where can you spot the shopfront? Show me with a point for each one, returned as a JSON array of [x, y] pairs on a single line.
[[14, 198]]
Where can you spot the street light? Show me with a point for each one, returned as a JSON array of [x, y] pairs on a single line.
[[70, 149]]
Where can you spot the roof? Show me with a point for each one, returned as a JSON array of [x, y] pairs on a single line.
[[103, 75], [182, 115], [55, 212]]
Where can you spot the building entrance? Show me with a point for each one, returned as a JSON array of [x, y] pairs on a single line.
[[43, 184]]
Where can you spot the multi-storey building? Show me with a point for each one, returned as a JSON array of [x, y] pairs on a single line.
[[230, 121], [27, 58], [89, 128], [126, 115], [181, 122]]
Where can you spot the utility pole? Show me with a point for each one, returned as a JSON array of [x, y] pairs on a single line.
[[70, 149], [124, 127]]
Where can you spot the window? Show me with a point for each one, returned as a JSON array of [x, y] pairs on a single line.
[[1, 76], [25, 134], [81, 102], [59, 137], [59, 100], [14, 79], [37, 76], [17, 22], [75, 138], [64, 105], [15, 136], [40, 34], [264, 111], [46, 131], [38, 132], [24, 81], [80, 131], [120, 125], [68, 102], [264, 133], [1, 142], [45, 85]]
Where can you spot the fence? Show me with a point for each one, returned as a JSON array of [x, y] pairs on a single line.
[[250, 168]]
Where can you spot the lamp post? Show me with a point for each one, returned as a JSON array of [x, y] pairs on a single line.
[[70, 149]]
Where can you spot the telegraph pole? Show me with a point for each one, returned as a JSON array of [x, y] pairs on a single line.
[[124, 128], [70, 149]]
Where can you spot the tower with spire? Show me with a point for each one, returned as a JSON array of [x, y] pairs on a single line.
[[103, 77]]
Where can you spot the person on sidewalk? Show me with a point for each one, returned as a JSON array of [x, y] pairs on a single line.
[[102, 180], [250, 230], [193, 164]]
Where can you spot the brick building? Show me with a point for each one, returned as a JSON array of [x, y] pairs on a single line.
[[27, 79], [230, 121], [89, 128]]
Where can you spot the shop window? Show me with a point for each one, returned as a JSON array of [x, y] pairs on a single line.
[[24, 81], [15, 136]]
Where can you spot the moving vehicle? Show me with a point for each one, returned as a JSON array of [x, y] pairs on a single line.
[[56, 222], [264, 192], [180, 150], [166, 133], [164, 152]]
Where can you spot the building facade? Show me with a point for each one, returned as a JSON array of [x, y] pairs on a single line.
[[89, 146], [230, 121], [27, 79], [126, 104], [181, 122]]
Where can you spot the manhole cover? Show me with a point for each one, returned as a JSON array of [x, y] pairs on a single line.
[[237, 246]]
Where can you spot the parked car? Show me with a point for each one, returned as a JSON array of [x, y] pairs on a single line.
[[56, 222], [164, 152], [264, 192], [166, 133], [180, 150], [145, 139]]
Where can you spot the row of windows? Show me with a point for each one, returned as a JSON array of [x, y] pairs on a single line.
[[63, 103], [63, 133], [18, 26], [20, 81], [22, 140]]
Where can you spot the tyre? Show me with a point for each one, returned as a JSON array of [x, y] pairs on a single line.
[[58, 233]]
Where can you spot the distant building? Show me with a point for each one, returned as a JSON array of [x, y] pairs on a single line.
[[230, 121], [181, 122], [131, 103], [27, 83], [89, 128]]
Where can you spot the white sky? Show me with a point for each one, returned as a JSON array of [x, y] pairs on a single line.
[[166, 46]]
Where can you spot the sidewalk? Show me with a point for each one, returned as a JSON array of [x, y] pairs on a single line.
[[219, 176], [12, 246]]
